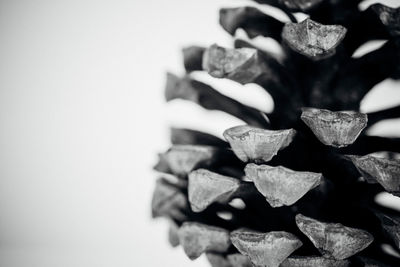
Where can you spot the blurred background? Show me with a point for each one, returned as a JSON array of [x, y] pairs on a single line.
[[82, 117]]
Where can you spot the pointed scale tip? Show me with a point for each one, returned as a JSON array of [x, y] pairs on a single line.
[[197, 238], [252, 144], [168, 201], [265, 249], [180, 88], [312, 39], [206, 187], [281, 186], [240, 64], [379, 170], [338, 129], [334, 240], [171, 86]]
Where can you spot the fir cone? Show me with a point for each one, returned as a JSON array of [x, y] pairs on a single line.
[[294, 187]]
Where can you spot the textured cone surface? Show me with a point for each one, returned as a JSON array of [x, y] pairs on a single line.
[[269, 249], [167, 201], [337, 129], [313, 39], [379, 170], [258, 145], [334, 239], [281, 186], [182, 159], [206, 187], [197, 238]]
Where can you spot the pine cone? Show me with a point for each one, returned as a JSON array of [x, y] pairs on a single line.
[[294, 187]]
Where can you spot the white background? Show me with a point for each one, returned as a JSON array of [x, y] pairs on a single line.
[[81, 120]]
